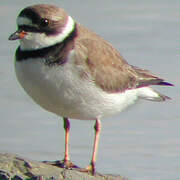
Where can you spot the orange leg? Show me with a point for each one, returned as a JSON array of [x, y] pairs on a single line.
[[97, 128], [65, 163], [67, 129]]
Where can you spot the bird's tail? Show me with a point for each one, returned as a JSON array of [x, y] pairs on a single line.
[[151, 95]]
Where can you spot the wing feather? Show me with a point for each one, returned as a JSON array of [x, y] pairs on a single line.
[[108, 68]]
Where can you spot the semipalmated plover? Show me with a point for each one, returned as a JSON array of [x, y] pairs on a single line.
[[72, 72]]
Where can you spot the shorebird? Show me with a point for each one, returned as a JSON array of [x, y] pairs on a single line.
[[69, 70]]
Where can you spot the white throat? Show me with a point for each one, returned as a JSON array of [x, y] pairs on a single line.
[[36, 40]]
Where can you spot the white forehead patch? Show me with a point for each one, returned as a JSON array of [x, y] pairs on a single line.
[[24, 21]]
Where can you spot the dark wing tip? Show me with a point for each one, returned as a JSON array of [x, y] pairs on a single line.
[[163, 83]]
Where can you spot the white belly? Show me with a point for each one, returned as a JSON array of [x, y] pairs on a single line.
[[59, 89]]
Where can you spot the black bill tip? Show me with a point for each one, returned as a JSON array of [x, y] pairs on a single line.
[[14, 36]]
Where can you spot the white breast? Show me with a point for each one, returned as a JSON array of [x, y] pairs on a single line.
[[59, 89]]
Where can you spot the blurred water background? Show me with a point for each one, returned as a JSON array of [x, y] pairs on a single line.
[[142, 143]]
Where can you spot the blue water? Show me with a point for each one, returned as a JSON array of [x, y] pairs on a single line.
[[142, 143]]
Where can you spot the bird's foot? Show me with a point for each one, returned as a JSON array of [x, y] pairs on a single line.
[[69, 165], [62, 164], [91, 169]]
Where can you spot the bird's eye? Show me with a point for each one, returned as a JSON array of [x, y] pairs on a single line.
[[44, 22]]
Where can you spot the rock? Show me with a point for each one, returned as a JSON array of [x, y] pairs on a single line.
[[13, 167]]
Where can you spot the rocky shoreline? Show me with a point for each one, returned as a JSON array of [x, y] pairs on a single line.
[[13, 167]]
